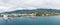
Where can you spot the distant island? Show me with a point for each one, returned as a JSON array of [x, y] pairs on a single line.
[[38, 12]]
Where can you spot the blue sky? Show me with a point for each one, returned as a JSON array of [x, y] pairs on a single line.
[[11, 5]]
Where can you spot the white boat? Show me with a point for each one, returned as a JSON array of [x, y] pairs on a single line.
[[5, 17]]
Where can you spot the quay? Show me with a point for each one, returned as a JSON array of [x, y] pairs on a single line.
[[6, 16], [17, 15]]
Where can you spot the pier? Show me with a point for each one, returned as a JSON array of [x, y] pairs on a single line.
[[17, 15], [6, 16]]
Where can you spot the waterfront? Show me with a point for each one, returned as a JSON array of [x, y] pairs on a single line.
[[38, 20]]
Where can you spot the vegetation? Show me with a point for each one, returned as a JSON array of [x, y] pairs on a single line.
[[38, 12]]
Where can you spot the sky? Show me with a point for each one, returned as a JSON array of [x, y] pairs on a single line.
[[11, 5]]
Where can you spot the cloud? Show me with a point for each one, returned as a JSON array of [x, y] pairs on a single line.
[[10, 5]]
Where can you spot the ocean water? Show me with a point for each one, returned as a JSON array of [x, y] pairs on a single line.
[[38, 20]]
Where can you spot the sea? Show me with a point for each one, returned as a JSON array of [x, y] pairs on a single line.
[[38, 20]]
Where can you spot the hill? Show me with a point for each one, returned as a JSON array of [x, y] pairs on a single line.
[[34, 10]]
